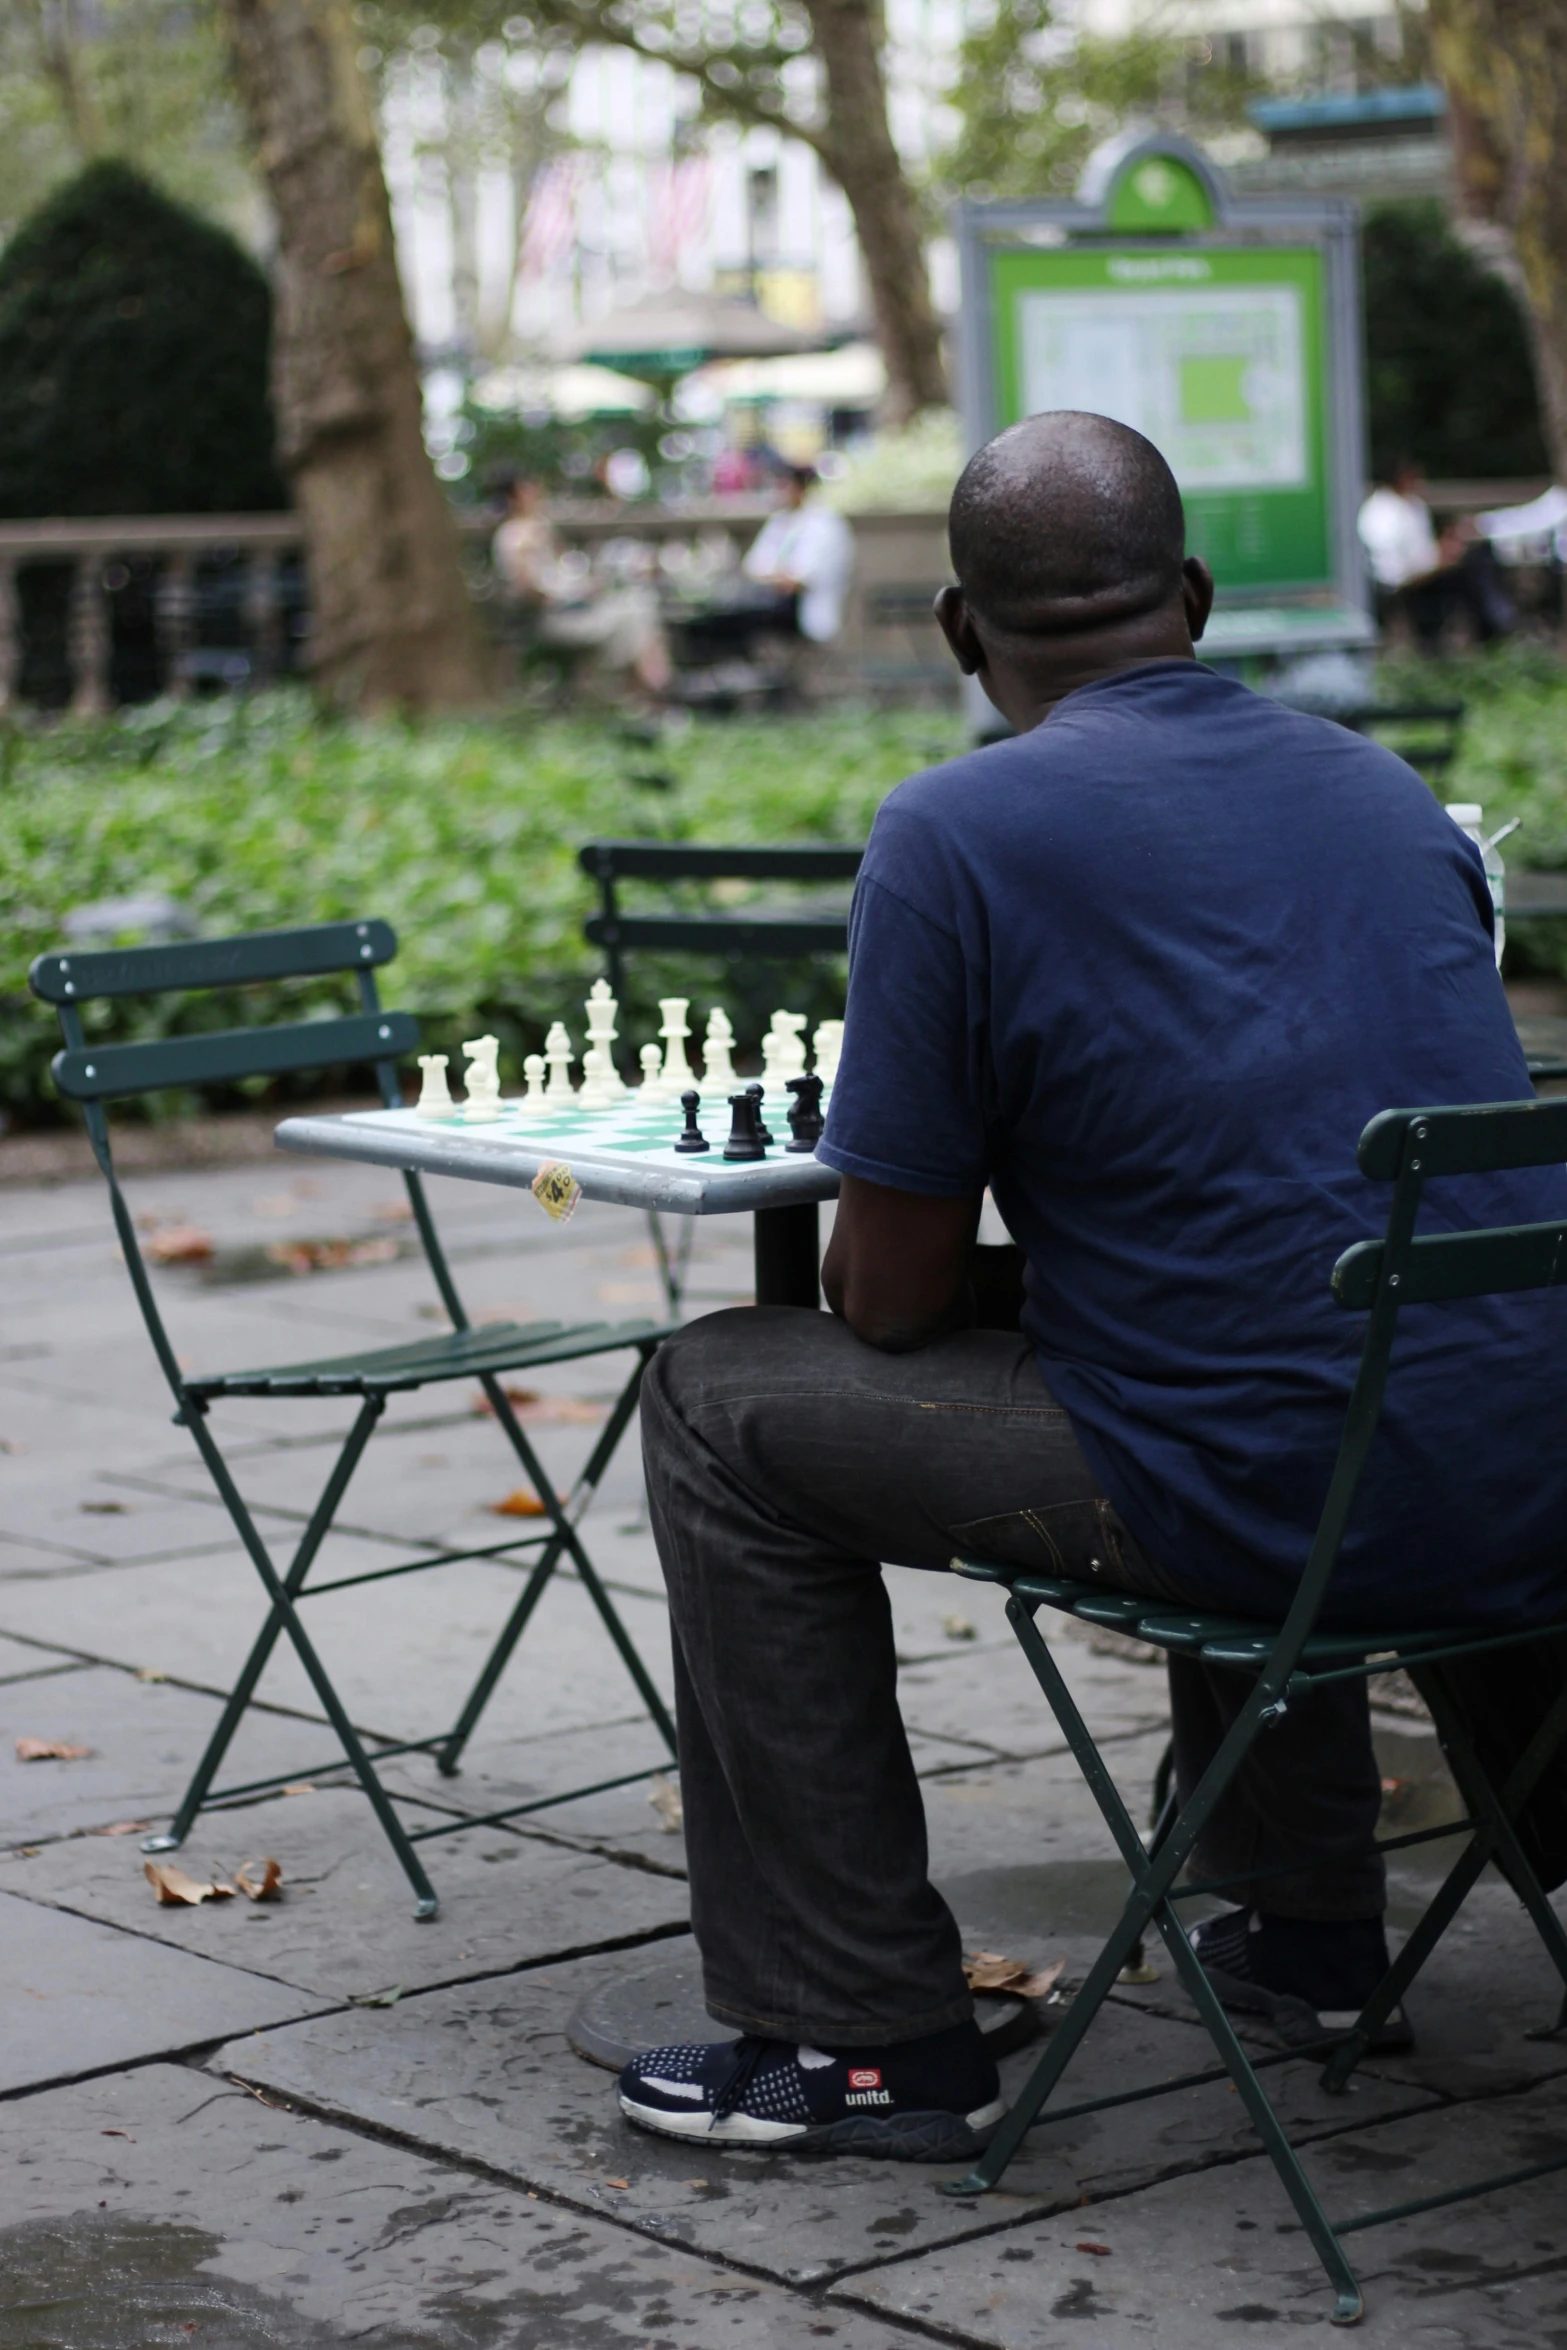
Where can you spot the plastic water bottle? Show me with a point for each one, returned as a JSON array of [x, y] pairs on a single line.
[[1469, 816]]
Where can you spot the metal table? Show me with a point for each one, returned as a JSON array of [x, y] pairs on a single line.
[[781, 1191]]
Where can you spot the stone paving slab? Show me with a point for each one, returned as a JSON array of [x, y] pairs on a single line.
[[75, 1995], [345, 1925], [403, 1654], [158, 2206], [483, 2073], [21, 1661], [1221, 2256], [145, 1739]]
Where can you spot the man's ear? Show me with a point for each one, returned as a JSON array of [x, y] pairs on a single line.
[[957, 626], [1197, 594]]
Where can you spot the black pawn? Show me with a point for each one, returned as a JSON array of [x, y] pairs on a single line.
[[805, 1118], [692, 1139], [745, 1137], [758, 1095]]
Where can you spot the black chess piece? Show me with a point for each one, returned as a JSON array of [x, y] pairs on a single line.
[[805, 1118], [745, 1133], [758, 1095], [692, 1139]]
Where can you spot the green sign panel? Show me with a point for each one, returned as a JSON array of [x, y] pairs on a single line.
[[1228, 335]]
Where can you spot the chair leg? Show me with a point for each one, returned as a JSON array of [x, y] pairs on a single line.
[[425, 1900], [563, 1539], [672, 1268], [1494, 1830], [1152, 1875], [266, 1639]]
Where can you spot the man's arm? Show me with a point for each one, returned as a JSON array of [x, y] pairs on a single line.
[[897, 1266]]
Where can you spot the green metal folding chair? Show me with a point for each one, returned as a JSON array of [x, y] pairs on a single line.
[[1407, 1148], [94, 1074]]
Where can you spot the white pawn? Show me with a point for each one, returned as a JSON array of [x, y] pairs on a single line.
[[558, 1053], [677, 1076], [790, 1028], [435, 1095], [652, 1061], [828, 1043], [483, 1081], [533, 1103], [774, 1046], [718, 1068]]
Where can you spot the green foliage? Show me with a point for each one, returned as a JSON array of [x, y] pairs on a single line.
[[1033, 98], [561, 453], [258, 814], [1450, 374], [133, 359], [144, 79], [1512, 755]]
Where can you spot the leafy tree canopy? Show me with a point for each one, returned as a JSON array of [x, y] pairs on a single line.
[[1450, 374], [133, 359]]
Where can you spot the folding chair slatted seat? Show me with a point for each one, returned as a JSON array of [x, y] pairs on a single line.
[[93, 1074], [1381, 1277], [754, 934]]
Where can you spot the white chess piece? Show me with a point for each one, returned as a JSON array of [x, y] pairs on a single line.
[[790, 1028], [828, 1043], [483, 1081], [601, 1086], [677, 1076], [718, 1068], [652, 1061], [533, 1103], [774, 1046], [558, 1053], [435, 1095]]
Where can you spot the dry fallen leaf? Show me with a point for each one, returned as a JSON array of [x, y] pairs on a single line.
[[519, 1503], [297, 1787], [1102, 2250], [266, 1887], [150, 1673], [176, 1890], [180, 1244], [329, 1256], [50, 1750], [104, 1509], [664, 1796], [988, 1970], [617, 2182], [116, 2134], [123, 1828], [387, 1998], [958, 1628]]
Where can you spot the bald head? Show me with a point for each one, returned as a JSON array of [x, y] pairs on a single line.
[[1067, 522]]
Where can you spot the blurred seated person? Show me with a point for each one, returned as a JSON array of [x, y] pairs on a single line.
[[804, 556], [617, 630], [1427, 578]]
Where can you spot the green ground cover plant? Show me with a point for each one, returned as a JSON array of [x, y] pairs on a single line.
[[258, 814]]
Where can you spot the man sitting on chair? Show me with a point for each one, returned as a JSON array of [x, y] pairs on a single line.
[[1146, 970]]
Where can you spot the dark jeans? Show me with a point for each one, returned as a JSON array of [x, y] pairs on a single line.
[[785, 1460]]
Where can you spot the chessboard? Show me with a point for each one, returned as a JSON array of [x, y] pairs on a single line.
[[632, 1127]]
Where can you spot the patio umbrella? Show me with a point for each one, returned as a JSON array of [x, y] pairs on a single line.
[[663, 336]]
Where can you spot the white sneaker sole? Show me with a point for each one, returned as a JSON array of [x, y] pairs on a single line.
[[896, 2137]]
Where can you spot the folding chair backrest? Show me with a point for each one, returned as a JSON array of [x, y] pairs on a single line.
[[1408, 1148], [767, 936], [93, 1074]]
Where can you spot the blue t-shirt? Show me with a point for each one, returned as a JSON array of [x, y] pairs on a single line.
[[1147, 972]]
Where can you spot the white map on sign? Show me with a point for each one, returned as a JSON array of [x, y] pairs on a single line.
[[1212, 375]]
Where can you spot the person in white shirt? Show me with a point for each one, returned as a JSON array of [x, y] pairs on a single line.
[[1428, 578], [806, 554]]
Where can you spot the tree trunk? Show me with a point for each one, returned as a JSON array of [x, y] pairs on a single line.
[[392, 622], [857, 147], [1504, 63]]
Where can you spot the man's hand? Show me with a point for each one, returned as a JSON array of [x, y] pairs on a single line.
[[897, 1266]]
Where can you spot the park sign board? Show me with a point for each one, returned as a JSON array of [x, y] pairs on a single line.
[[1229, 333]]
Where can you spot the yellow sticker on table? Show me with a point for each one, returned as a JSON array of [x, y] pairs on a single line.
[[557, 1190]]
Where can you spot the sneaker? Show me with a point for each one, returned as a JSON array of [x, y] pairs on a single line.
[[931, 2100], [1310, 1977]]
